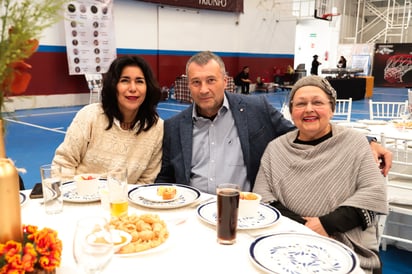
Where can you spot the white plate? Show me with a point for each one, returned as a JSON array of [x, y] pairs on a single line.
[[150, 194], [291, 252], [165, 245], [373, 122], [187, 195], [267, 216], [23, 198], [353, 125], [70, 193]]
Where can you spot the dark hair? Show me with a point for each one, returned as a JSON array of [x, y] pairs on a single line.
[[147, 115]]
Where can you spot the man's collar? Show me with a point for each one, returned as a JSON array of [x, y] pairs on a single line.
[[224, 108]]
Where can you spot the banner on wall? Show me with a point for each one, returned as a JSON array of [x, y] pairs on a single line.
[[361, 62], [90, 39], [220, 5], [392, 65]]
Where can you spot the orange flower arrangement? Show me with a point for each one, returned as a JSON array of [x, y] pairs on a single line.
[[41, 249]]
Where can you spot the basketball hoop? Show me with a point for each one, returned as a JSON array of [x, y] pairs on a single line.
[[396, 67], [328, 16]]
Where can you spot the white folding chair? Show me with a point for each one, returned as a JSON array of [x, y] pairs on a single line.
[[94, 82], [285, 111], [397, 225], [343, 110], [385, 110]]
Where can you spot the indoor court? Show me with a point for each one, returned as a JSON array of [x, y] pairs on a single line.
[[33, 135]]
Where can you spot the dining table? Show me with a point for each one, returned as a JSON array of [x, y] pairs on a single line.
[[190, 248]]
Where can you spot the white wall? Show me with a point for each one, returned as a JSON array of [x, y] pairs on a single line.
[[261, 29], [317, 37], [140, 25]]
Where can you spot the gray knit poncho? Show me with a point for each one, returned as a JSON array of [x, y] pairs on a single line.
[[315, 180]]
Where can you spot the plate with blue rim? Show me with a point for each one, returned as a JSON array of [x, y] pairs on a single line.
[[70, 193], [186, 196], [267, 215], [292, 252], [23, 198]]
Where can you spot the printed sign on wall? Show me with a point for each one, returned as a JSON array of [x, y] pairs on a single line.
[[392, 65], [90, 39]]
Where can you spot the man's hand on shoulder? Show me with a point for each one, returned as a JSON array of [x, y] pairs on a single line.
[[383, 157]]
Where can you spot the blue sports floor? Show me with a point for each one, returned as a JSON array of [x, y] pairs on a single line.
[[33, 135]]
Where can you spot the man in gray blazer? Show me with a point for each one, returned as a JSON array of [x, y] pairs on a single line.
[[222, 136]]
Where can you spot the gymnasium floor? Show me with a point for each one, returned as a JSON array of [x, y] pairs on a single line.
[[33, 135]]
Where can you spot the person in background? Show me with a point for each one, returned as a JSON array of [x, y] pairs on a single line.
[[123, 130], [342, 62], [290, 70], [260, 85], [324, 175], [221, 136], [242, 80], [315, 65]]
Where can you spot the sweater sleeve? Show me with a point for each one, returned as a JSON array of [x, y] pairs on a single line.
[[346, 218], [70, 152]]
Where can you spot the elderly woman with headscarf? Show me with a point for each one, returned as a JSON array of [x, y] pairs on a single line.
[[324, 175]]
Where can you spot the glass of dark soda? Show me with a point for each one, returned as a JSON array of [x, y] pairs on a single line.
[[227, 212]]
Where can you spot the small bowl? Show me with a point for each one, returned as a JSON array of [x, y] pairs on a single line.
[[87, 184], [120, 238], [249, 204]]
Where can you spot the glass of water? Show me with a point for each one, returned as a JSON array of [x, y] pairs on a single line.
[[51, 183]]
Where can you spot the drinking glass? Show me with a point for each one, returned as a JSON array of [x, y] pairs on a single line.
[[51, 184], [117, 186], [227, 212], [404, 114], [92, 244]]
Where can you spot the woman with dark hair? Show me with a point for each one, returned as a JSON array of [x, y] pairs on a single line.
[[123, 130]]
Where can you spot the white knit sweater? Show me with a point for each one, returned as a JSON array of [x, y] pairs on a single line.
[[89, 148]]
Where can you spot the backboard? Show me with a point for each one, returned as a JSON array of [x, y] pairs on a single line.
[[324, 9]]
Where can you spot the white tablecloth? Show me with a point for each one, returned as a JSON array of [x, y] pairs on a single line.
[[389, 130], [191, 248]]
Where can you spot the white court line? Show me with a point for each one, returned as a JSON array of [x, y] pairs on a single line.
[[36, 126], [43, 114], [175, 104], [173, 110]]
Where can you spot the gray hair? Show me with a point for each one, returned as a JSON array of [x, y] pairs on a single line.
[[317, 81], [203, 57]]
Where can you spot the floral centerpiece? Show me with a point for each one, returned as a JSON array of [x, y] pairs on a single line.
[[40, 250], [21, 24]]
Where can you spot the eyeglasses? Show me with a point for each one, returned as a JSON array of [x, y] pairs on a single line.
[[316, 104]]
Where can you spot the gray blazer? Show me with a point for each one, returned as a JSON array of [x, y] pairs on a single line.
[[257, 123]]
